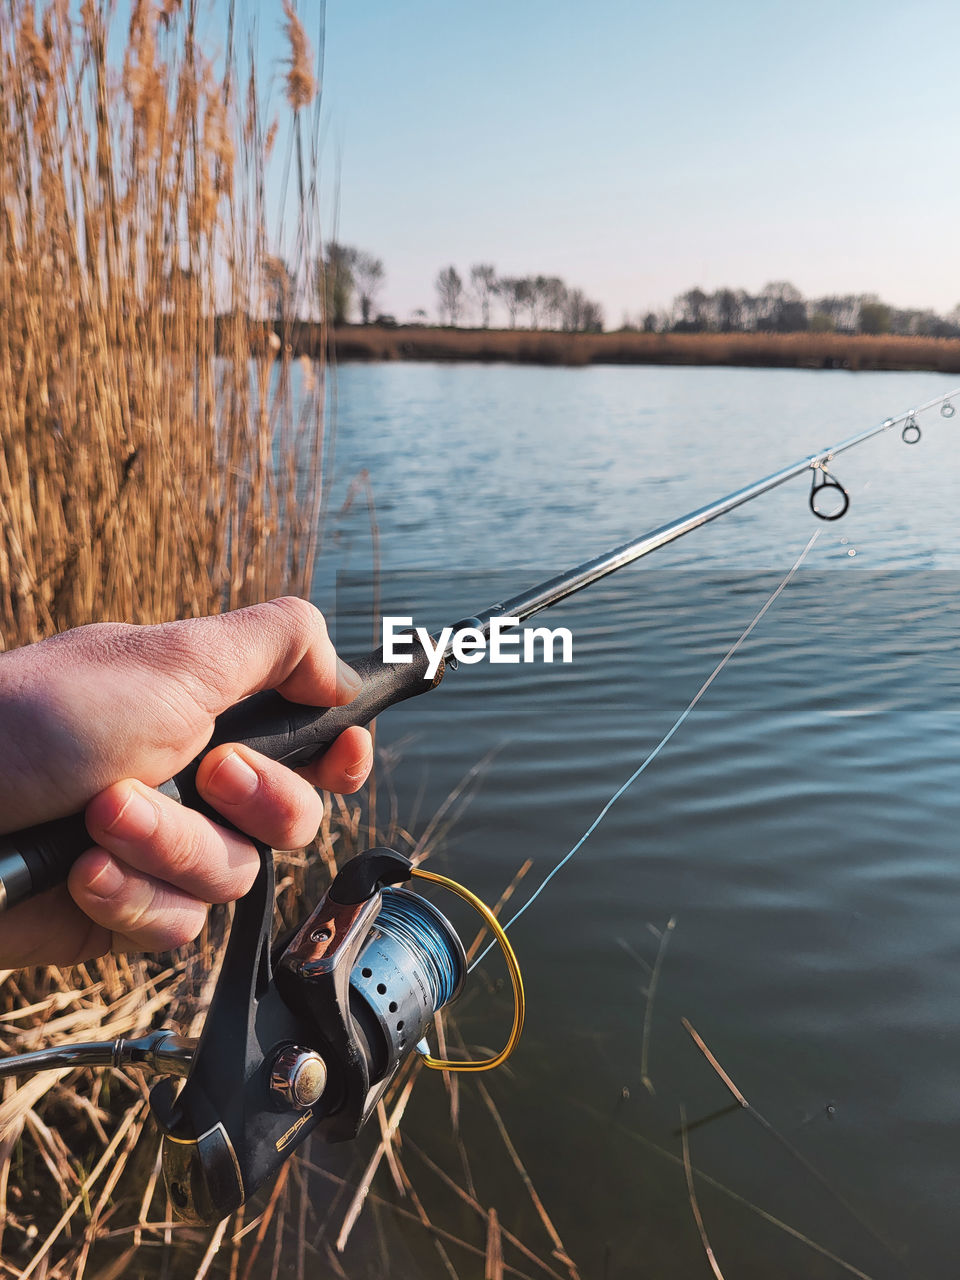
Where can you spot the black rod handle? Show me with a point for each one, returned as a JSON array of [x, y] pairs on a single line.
[[39, 857]]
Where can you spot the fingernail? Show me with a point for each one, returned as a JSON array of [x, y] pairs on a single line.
[[107, 881], [359, 770], [347, 679], [233, 780], [137, 819]]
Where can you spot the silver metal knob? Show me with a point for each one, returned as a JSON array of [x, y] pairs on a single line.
[[298, 1077]]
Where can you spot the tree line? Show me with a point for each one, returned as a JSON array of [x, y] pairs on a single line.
[[540, 302], [348, 282], [780, 307]]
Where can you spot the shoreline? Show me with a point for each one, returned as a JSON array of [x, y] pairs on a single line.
[[855, 352]]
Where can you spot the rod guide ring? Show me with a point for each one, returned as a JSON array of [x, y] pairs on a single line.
[[827, 481], [911, 431]]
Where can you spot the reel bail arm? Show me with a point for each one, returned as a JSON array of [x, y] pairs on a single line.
[[162, 1052]]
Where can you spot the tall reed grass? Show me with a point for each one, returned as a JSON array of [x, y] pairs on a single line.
[[160, 457], [153, 460], [141, 476]]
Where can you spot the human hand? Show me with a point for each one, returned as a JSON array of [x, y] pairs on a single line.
[[97, 717]]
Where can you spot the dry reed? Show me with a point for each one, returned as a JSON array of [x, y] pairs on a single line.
[[551, 347], [694, 1204], [155, 462]]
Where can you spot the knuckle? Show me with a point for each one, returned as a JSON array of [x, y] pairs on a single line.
[[140, 909], [156, 923], [302, 815], [176, 929], [169, 645], [185, 846], [302, 616], [182, 928]]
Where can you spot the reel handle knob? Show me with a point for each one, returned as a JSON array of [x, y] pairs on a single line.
[[39, 857]]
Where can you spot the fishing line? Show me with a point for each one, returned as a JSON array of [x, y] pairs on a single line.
[[409, 922], [737, 644]]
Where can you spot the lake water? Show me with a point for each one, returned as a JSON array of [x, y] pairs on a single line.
[[800, 830]]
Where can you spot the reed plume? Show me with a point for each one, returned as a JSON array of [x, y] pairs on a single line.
[[301, 83]]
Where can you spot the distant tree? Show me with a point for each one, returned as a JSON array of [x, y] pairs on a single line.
[[336, 281], [844, 311], [574, 310], [593, 318], [650, 322], [782, 308], [691, 311], [793, 317], [875, 316], [449, 287], [545, 295], [533, 299], [513, 291], [728, 304], [279, 287], [581, 315], [821, 322], [554, 297], [922, 324], [749, 305], [368, 277], [483, 283]]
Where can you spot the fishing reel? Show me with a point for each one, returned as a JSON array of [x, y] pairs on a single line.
[[307, 1039]]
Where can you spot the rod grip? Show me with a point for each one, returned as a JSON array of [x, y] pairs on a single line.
[[37, 858]]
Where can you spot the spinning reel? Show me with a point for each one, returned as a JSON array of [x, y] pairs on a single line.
[[302, 1040]]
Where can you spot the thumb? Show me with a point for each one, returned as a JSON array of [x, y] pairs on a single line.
[[282, 644]]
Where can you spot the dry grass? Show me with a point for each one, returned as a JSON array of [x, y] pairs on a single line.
[[153, 464], [158, 458], [79, 1157], [141, 478], [531, 346]]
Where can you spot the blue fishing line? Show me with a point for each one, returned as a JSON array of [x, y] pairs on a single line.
[[411, 924]]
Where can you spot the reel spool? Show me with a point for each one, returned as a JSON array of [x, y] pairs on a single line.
[[311, 1045], [411, 966]]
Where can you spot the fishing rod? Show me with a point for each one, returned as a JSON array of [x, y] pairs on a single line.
[[306, 1035], [39, 857]]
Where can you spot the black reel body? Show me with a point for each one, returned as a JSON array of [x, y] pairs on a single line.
[[310, 1044]]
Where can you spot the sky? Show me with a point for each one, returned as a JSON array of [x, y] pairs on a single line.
[[639, 149]]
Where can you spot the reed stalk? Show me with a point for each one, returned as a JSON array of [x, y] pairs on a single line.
[[161, 455]]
